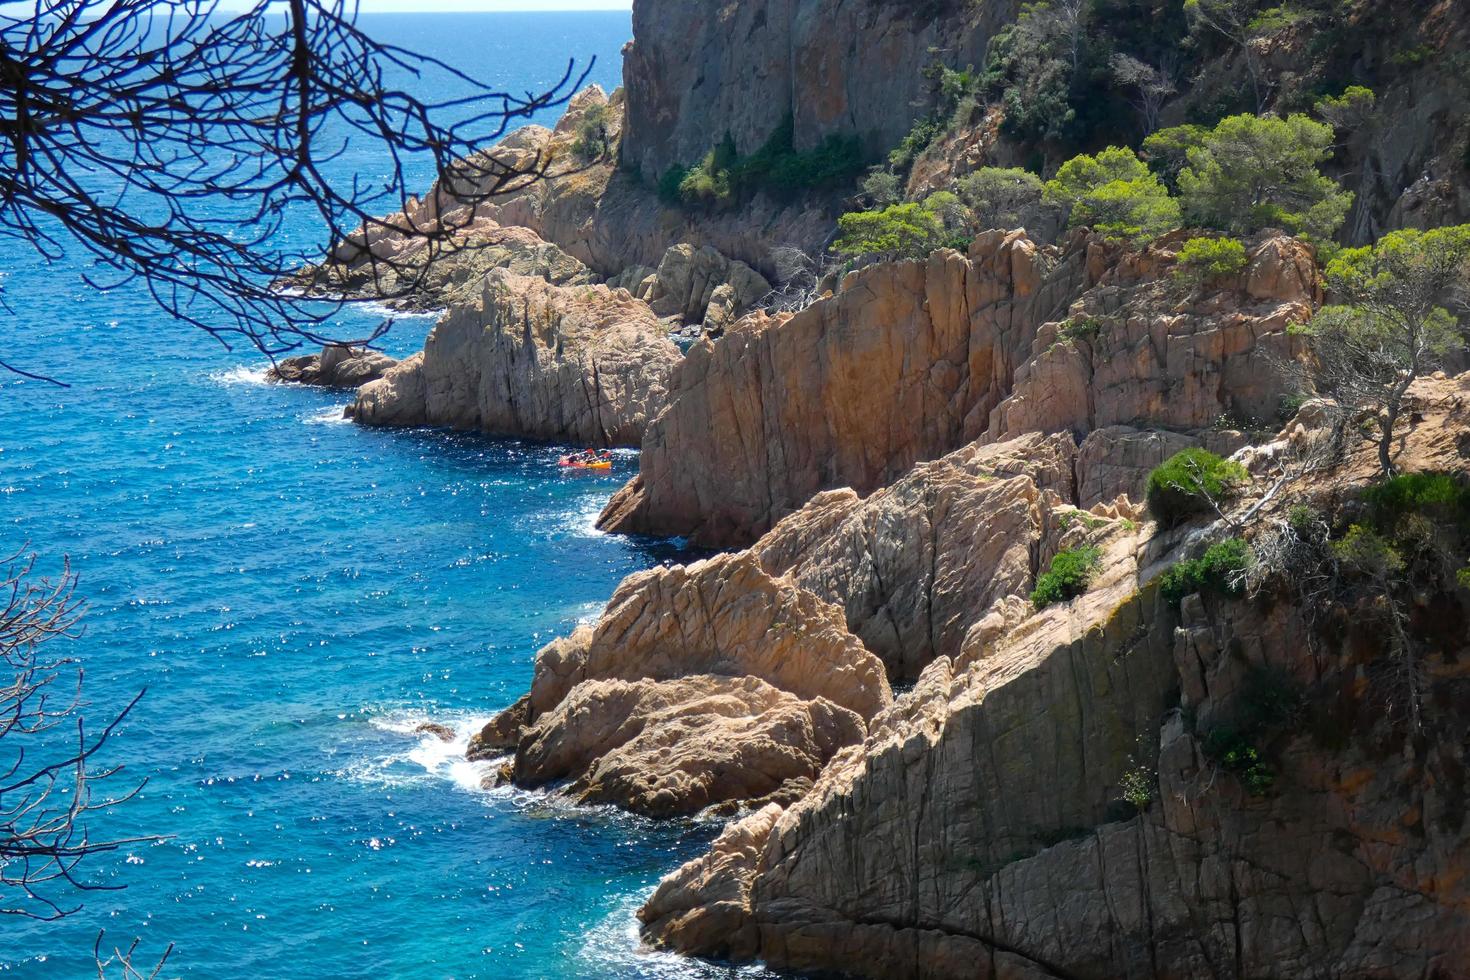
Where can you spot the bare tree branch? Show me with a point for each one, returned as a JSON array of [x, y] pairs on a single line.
[[169, 142]]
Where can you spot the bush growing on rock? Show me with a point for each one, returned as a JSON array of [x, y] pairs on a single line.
[[895, 232], [1192, 481], [1203, 260], [1115, 194], [1256, 172], [1221, 569], [593, 142], [1390, 326], [1001, 197], [1070, 574]]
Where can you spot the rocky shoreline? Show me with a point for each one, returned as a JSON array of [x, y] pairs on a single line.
[[894, 465]]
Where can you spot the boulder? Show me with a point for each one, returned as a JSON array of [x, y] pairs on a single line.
[[581, 364], [711, 685], [337, 366]]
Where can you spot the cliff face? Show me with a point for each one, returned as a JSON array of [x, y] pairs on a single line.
[[912, 360], [982, 829], [697, 70], [582, 364]]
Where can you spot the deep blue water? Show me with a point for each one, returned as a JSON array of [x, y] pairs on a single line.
[[296, 594]]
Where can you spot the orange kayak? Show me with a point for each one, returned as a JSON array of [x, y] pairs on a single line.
[[571, 464]]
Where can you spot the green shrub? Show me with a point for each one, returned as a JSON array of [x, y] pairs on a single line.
[[883, 188], [897, 231], [1365, 551], [1186, 482], [1254, 172], [1115, 194], [1462, 577], [1137, 786], [1235, 753], [1069, 576], [723, 177], [1001, 197], [1220, 569], [1081, 328], [593, 141], [1204, 260], [669, 184], [1442, 495]]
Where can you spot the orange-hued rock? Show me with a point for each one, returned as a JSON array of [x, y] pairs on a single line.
[[915, 564], [582, 364], [911, 360], [707, 685], [903, 364]]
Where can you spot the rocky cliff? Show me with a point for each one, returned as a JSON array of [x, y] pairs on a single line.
[[1123, 788], [909, 361], [583, 364], [696, 71]]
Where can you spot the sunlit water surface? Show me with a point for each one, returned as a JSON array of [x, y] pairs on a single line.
[[298, 594]]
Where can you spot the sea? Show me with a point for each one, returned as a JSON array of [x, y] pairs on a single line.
[[295, 596]]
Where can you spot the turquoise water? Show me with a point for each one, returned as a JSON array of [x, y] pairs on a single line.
[[297, 594]]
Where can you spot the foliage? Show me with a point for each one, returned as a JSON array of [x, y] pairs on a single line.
[[724, 177], [1032, 68], [1221, 569], [1235, 753], [669, 184], [1001, 197], [882, 188], [1191, 482], [1168, 150], [1069, 576], [1115, 194], [1137, 786], [1388, 328], [593, 141], [1203, 260], [1444, 496], [897, 231], [1081, 328], [1367, 552], [1350, 110], [1462, 577], [925, 131], [1254, 172]]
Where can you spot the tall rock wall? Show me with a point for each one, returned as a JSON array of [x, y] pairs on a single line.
[[698, 69]]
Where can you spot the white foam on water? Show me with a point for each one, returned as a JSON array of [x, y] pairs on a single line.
[[388, 312], [327, 416], [613, 947], [433, 756], [241, 375]]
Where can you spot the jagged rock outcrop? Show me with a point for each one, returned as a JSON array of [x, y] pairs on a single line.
[[916, 564], [715, 683], [1140, 349], [903, 364], [336, 366], [981, 830], [583, 364], [912, 360]]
